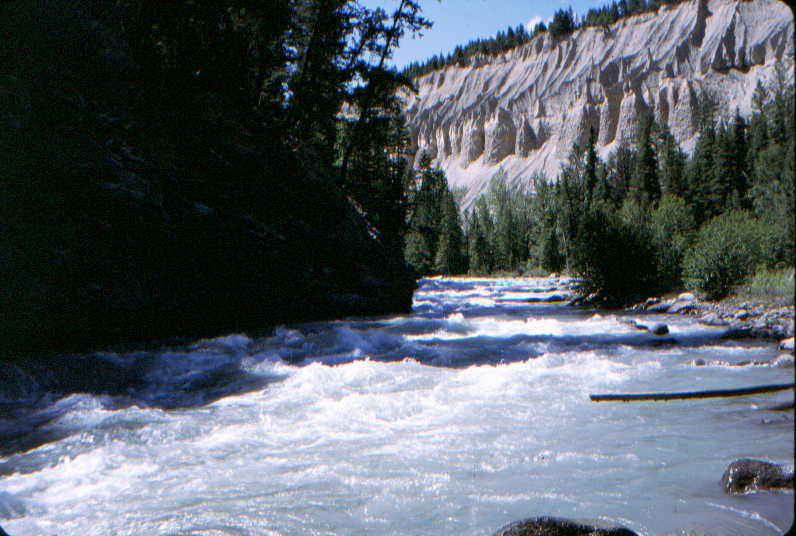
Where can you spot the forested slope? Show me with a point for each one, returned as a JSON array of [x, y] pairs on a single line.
[[170, 169]]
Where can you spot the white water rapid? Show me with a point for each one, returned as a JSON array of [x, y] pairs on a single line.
[[469, 413]]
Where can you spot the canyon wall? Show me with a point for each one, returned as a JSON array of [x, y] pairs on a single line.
[[523, 110]]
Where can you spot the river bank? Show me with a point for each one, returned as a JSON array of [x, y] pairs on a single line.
[[744, 319]]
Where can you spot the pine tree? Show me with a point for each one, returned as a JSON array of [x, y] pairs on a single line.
[[740, 147], [672, 164], [644, 186], [551, 258], [723, 170], [319, 37], [699, 175], [449, 258], [590, 172], [486, 229]]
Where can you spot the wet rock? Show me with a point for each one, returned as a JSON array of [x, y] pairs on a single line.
[[656, 329], [554, 526], [713, 319], [683, 306], [548, 299], [740, 332], [742, 314], [650, 302], [787, 345], [661, 307], [746, 476], [783, 361], [659, 329]]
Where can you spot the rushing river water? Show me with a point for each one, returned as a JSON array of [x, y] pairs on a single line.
[[467, 414]]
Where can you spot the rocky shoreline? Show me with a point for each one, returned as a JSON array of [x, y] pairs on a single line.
[[744, 319]]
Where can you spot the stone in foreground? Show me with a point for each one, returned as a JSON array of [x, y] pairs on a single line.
[[747, 476], [554, 526]]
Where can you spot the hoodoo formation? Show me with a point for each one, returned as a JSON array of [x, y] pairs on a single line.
[[523, 110]]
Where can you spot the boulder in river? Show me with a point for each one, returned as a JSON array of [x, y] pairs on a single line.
[[787, 345], [659, 329], [555, 526], [746, 476], [783, 361]]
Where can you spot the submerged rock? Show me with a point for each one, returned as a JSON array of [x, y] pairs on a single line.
[[747, 476], [554, 526]]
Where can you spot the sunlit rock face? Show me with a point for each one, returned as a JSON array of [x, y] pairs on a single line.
[[523, 110]]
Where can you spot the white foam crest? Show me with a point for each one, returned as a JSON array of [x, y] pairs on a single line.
[[100, 472], [351, 448], [338, 343]]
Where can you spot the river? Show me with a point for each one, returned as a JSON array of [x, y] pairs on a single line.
[[469, 413]]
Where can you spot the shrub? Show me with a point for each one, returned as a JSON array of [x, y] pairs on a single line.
[[615, 258], [727, 249], [672, 225]]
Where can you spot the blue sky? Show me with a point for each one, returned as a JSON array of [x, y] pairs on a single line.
[[459, 21]]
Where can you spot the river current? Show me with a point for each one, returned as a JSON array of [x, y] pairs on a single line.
[[469, 413]]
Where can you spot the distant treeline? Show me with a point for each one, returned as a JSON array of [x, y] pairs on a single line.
[[564, 22], [648, 220]]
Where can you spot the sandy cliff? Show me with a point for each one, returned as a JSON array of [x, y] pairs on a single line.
[[523, 110]]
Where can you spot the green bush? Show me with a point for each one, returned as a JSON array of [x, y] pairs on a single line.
[[727, 249], [615, 258], [673, 226]]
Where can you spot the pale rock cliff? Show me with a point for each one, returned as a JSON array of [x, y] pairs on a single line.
[[522, 111]]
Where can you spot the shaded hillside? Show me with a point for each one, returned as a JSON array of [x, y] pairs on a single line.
[[129, 214]]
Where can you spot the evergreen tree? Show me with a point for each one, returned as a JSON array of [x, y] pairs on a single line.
[[380, 82], [551, 257], [319, 37], [644, 186], [506, 237], [449, 258], [700, 176], [434, 241], [672, 163], [724, 171], [478, 247], [590, 171], [563, 23], [740, 158], [620, 171]]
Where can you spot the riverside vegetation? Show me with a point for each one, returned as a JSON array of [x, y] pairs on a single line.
[[183, 168], [650, 219]]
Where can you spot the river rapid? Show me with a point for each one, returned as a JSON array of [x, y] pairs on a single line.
[[469, 413]]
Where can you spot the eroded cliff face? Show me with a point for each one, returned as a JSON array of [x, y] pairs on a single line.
[[523, 111]]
